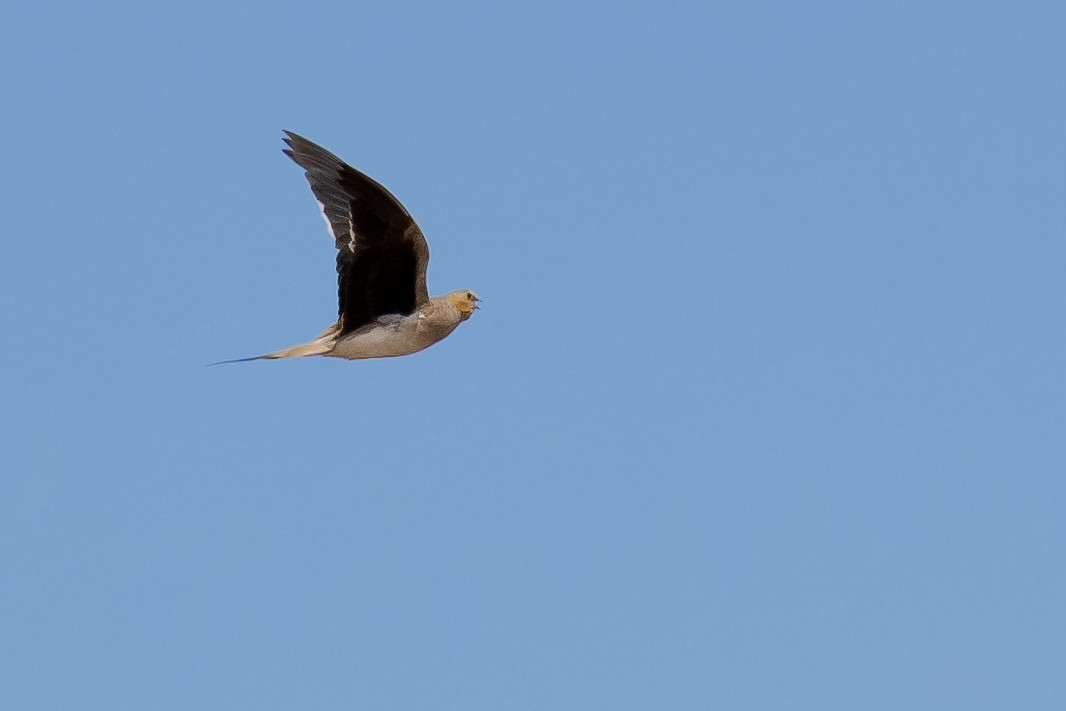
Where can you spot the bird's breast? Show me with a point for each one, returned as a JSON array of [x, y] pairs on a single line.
[[396, 337]]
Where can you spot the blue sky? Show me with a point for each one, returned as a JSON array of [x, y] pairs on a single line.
[[764, 408]]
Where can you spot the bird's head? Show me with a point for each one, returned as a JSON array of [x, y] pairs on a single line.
[[465, 301]]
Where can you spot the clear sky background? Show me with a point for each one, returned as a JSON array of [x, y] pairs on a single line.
[[764, 408]]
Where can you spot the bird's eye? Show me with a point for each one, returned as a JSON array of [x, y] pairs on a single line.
[[469, 296]]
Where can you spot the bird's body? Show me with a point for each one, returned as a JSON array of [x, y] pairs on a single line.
[[402, 335], [386, 336], [385, 308]]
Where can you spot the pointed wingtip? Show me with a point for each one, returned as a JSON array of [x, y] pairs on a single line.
[[291, 136]]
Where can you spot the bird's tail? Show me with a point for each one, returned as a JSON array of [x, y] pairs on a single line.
[[320, 346]]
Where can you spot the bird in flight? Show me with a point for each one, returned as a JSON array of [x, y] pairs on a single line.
[[385, 309]]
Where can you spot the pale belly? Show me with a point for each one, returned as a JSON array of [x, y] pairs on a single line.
[[400, 337]]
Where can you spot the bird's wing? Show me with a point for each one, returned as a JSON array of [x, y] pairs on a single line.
[[381, 253]]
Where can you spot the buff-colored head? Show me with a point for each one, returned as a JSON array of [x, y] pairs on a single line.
[[465, 301]]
